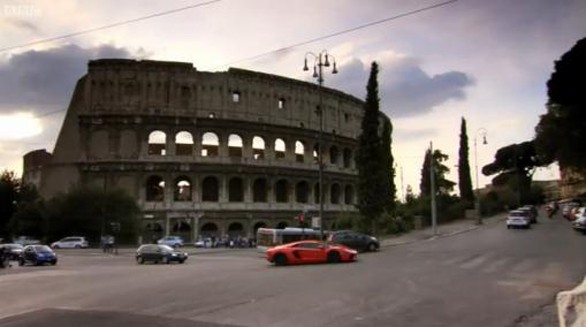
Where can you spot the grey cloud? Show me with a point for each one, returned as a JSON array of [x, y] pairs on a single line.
[[20, 24], [404, 87], [407, 135], [45, 79]]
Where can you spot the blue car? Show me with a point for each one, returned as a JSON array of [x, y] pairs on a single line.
[[37, 255]]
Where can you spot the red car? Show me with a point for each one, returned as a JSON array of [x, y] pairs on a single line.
[[310, 251]]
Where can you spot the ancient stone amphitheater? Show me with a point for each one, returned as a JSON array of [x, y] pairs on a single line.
[[205, 153]]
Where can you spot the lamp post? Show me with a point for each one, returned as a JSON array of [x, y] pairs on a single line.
[[320, 61], [481, 131]]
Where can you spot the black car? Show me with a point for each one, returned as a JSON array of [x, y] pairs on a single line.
[[159, 253], [12, 251], [37, 255], [532, 212], [355, 240]]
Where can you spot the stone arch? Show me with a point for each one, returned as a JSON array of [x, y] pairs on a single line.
[[235, 146], [183, 187], [316, 153], [155, 188], [181, 226], [334, 154], [128, 146], [183, 143], [259, 190], [302, 192], [282, 191], [299, 151], [335, 193], [316, 193], [347, 158], [280, 149], [157, 143], [235, 229], [259, 224], [236, 190], [210, 189], [282, 225], [209, 229], [349, 194], [258, 147], [210, 144]]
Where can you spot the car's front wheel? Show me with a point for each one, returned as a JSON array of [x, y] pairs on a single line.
[[333, 257], [165, 260], [280, 259], [371, 247], [140, 260]]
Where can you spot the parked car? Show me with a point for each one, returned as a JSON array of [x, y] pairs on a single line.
[[567, 209], [12, 251], [173, 241], [579, 224], [159, 253], [309, 251], [519, 218], [354, 240], [71, 242], [37, 255], [532, 212]]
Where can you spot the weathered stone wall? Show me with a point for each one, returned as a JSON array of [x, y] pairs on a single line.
[[235, 149]]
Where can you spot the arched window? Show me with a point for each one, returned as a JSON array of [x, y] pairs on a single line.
[[210, 189], [210, 144], [299, 151], [234, 146], [334, 155], [316, 193], [183, 144], [301, 192], [258, 147], [282, 191], [157, 143], [235, 190], [347, 158], [316, 153], [259, 193], [209, 229], [335, 194], [282, 225], [279, 149], [155, 189], [235, 229], [260, 224], [181, 226], [182, 190], [349, 194]]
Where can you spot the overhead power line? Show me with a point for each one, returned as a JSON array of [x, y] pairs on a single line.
[[95, 29], [346, 31]]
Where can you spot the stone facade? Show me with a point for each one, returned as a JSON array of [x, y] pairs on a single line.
[[207, 153]]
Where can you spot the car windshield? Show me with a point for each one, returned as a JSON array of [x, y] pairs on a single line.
[[42, 248], [518, 214], [166, 248]]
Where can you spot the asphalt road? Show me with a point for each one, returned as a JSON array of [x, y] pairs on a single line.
[[486, 277]]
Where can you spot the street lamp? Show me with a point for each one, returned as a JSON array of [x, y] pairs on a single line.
[[480, 131], [320, 61]]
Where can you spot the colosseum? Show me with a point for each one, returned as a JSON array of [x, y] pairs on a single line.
[[205, 153]]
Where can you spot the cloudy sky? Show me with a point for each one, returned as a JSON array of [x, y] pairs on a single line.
[[487, 61]]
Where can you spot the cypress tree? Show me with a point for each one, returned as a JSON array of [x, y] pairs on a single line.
[[425, 183], [390, 190], [368, 157], [464, 180]]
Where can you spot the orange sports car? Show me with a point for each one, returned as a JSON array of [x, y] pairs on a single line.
[[310, 251]]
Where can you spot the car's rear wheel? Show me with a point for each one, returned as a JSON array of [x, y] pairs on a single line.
[[181, 261], [333, 257], [21, 262], [280, 259]]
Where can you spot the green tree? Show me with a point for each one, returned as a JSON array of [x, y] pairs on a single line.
[[369, 158], [464, 179], [515, 165], [561, 131], [389, 189], [91, 212], [9, 187], [29, 218], [442, 185]]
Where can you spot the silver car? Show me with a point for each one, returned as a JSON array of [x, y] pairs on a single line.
[[519, 218]]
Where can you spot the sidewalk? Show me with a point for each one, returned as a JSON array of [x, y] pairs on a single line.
[[444, 230]]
